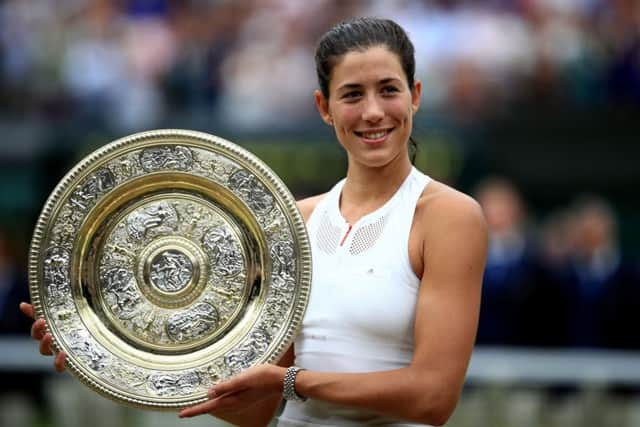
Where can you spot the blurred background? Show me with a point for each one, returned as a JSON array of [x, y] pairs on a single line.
[[531, 106]]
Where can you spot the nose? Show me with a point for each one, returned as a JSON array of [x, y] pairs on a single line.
[[373, 111]]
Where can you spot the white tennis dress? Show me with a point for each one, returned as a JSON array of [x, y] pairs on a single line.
[[361, 312]]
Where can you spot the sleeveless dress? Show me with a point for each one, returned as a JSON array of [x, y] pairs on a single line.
[[361, 310]]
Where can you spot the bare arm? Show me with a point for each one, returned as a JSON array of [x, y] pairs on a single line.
[[453, 251], [427, 390]]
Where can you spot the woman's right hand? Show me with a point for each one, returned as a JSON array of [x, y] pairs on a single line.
[[39, 333]]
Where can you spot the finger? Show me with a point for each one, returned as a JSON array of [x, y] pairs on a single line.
[[27, 309], [230, 400], [232, 385], [45, 345], [38, 329], [59, 362], [200, 409]]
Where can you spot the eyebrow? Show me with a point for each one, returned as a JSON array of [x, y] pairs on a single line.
[[384, 81]]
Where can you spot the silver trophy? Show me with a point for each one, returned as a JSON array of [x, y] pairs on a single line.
[[166, 262]]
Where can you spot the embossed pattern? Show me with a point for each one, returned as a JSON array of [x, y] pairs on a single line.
[[171, 271], [121, 268]]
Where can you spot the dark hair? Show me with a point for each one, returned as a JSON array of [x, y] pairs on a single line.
[[360, 34]]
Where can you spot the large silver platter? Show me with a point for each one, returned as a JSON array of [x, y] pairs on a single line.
[[166, 262]]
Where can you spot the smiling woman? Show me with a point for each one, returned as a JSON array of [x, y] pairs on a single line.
[[397, 263]]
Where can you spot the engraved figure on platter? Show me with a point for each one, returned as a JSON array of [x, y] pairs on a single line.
[[56, 266], [165, 384], [241, 358], [56, 273], [260, 340], [224, 250], [101, 181], [157, 218], [171, 271], [284, 285], [85, 349], [176, 157], [283, 259], [194, 323], [121, 292], [252, 191]]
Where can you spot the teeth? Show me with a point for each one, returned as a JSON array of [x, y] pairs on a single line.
[[374, 135]]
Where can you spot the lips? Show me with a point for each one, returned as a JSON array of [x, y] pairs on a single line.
[[373, 135]]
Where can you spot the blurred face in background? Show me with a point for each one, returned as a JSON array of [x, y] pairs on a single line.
[[594, 229], [501, 205]]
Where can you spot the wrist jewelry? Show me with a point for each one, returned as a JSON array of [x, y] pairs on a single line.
[[289, 387]]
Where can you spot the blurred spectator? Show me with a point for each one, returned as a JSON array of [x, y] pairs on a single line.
[[549, 300], [605, 295], [130, 63], [509, 269]]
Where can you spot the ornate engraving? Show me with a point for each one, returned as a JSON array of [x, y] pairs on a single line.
[[284, 284], [56, 274], [252, 191], [171, 385], [171, 271], [278, 305], [156, 219], [243, 357], [240, 359], [259, 340], [282, 254], [87, 351], [95, 185], [128, 376], [126, 166], [194, 323], [224, 250], [120, 292], [177, 157]]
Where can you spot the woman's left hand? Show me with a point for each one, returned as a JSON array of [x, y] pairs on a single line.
[[240, 392]]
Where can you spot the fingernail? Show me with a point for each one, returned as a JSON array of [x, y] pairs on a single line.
[[212, 393]]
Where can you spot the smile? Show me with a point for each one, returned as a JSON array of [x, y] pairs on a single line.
[[373, 134]]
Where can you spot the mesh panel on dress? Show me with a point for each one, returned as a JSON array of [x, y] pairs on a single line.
[[328, 235], [365, 237]]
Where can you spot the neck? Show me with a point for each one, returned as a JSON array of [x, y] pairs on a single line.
[[367, 189]]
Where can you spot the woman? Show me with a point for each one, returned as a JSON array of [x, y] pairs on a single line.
[[398, 261]]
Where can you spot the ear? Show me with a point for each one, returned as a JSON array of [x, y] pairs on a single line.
[[415, 96], [322, 104]]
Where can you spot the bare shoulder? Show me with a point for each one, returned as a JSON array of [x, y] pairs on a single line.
[[443, 209], [307, 205]]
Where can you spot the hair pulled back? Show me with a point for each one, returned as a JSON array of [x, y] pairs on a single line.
[[359, 34]]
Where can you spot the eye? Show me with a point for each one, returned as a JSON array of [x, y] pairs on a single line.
[[389, 90], [351, 94]]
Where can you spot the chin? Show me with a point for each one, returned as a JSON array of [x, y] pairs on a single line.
[[375, 161]]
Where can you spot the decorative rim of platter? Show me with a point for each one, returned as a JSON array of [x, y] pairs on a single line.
[[166, 262]]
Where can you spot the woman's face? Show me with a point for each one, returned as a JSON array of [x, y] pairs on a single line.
[[371, 106]]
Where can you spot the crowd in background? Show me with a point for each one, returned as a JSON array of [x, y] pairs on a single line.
[[127, 63], [559, 280]]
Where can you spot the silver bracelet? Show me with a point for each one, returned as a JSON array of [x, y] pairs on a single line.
[[289, 386]]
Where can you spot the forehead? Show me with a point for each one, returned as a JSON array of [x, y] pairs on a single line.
[[367, 66]]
